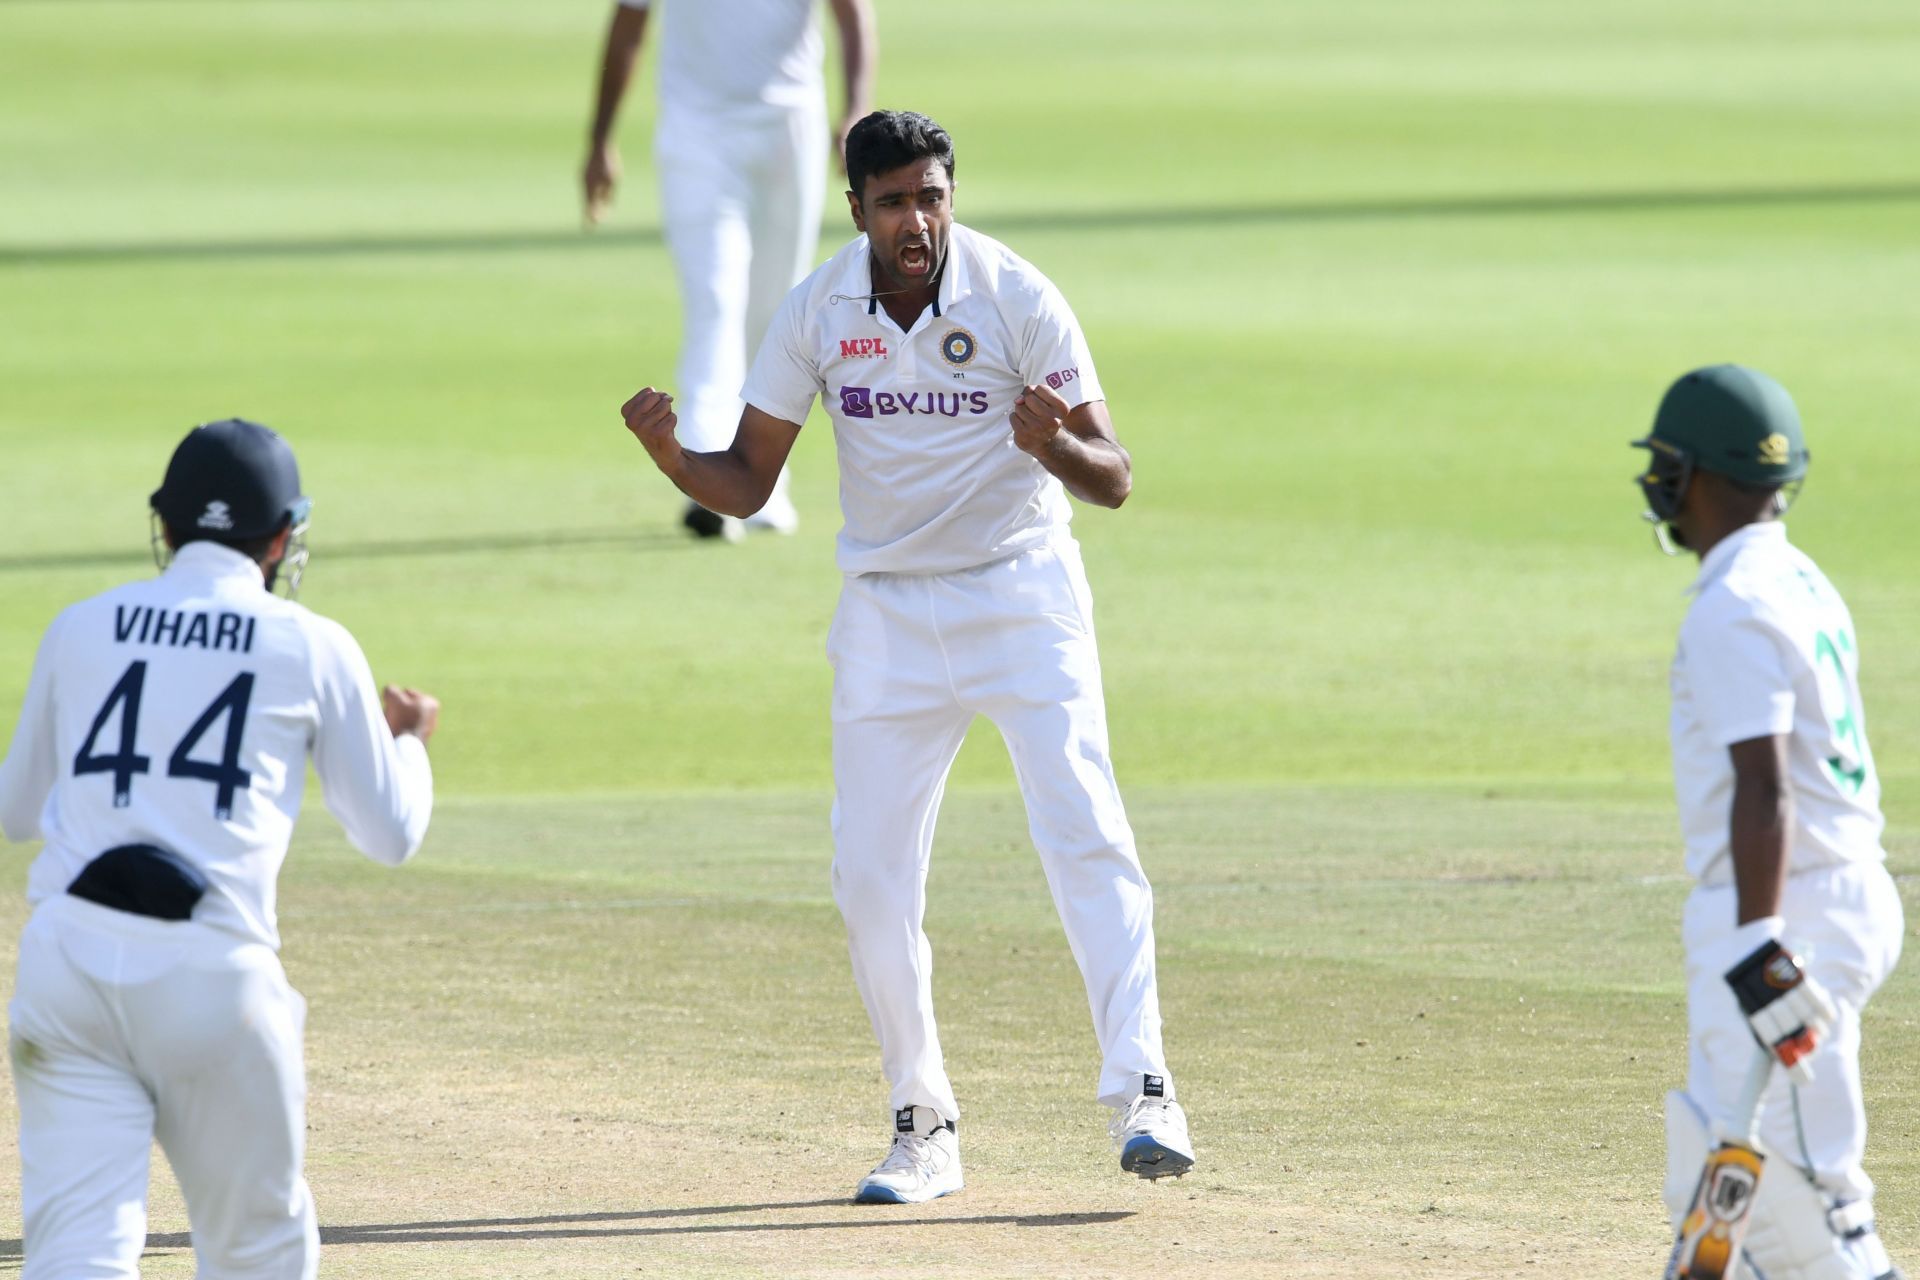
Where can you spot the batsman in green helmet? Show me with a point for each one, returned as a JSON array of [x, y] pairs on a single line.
[[1793, 922]]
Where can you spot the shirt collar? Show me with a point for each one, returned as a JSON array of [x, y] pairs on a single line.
[[956, 281], [1761, 533], [204, 559]]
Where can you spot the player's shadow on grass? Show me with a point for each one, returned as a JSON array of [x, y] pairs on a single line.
[[1490, 204], [599, 1226], [329, 552]]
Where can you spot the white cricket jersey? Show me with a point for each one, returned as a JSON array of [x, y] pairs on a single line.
[[180, 712], [1768, 648], [930, 478], [722, 55]]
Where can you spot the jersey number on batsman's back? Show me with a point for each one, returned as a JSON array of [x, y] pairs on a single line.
[[227, 776]]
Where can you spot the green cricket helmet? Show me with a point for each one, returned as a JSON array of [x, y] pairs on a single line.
[[1727, 419]]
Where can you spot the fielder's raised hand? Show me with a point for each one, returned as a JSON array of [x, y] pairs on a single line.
[[1789, 1012], [649, 415], [410, 711], [1039, 415]]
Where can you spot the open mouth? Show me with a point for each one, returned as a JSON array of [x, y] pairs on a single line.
[[916, 259]]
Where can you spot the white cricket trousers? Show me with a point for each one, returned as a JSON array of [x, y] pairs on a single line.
[[915, 659], [126, 1029], [1846, 924], [740, 200]]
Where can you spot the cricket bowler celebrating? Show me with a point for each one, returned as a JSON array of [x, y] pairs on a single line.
[[965, 407], [161, 754], [1793, 922]]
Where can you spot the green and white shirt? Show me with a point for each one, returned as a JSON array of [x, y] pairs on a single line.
[[1766, 649]]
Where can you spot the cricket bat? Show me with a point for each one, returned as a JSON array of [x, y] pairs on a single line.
[[1707, 1246]]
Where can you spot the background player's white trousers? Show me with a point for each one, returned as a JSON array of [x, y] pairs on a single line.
[[740, 198], [1846, 924], [915, 658], [125, 1029]]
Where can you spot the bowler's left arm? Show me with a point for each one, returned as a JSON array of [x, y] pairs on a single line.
[[1060, 416]]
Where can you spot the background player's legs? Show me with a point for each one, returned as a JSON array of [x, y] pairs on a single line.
[[1848, 926], [224, 1039], [785, 221], [1846, 923], [1030, 621], [86, 1122], [704, 206], [896, 731]]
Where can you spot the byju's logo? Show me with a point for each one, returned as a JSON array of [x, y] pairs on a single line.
[[864, 402], [1062, 377], [856, 402], [217, 516]]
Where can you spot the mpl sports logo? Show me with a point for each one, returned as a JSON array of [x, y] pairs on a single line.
[[858, 348], [865, 402]]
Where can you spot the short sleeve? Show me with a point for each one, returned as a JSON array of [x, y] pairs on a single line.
[[785, 376], [1055, 353], [1738, 674]]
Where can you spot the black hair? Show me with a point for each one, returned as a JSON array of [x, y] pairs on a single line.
[[886, 140]]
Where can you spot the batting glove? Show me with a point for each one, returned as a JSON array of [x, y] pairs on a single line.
[[1789, 1012]]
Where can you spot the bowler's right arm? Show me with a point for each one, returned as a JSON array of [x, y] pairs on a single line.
[[738, 480]]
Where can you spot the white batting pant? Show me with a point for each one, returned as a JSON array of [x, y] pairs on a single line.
[[125, 1029], [915, 658], [741, 199], [1847, 925]]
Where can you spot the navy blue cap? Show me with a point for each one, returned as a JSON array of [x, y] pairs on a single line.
[[230, 481]]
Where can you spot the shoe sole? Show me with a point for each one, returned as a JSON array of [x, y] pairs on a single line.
[[1151, 1159], [871, 1194]]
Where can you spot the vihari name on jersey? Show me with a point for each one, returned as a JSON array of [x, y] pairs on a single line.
[[146, 624]]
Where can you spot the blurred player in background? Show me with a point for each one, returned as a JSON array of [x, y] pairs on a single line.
[[1793, 922], [741, 147], [161, 755], [965, 408]]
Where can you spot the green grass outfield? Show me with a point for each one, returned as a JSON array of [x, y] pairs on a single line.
[[1378, 292]]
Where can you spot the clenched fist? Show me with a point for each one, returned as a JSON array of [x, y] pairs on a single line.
[[1791, 1014], [410, 711], [1039, 414], [649, 415]]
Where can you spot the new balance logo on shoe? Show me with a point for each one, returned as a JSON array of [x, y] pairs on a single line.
[[1155, 1087]]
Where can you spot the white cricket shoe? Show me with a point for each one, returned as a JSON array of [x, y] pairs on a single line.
[[923, 1165], [1151, 1133]]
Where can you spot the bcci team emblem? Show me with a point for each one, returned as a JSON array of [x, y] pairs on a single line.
[[958, 346], [217, 516], [1774, 450]]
